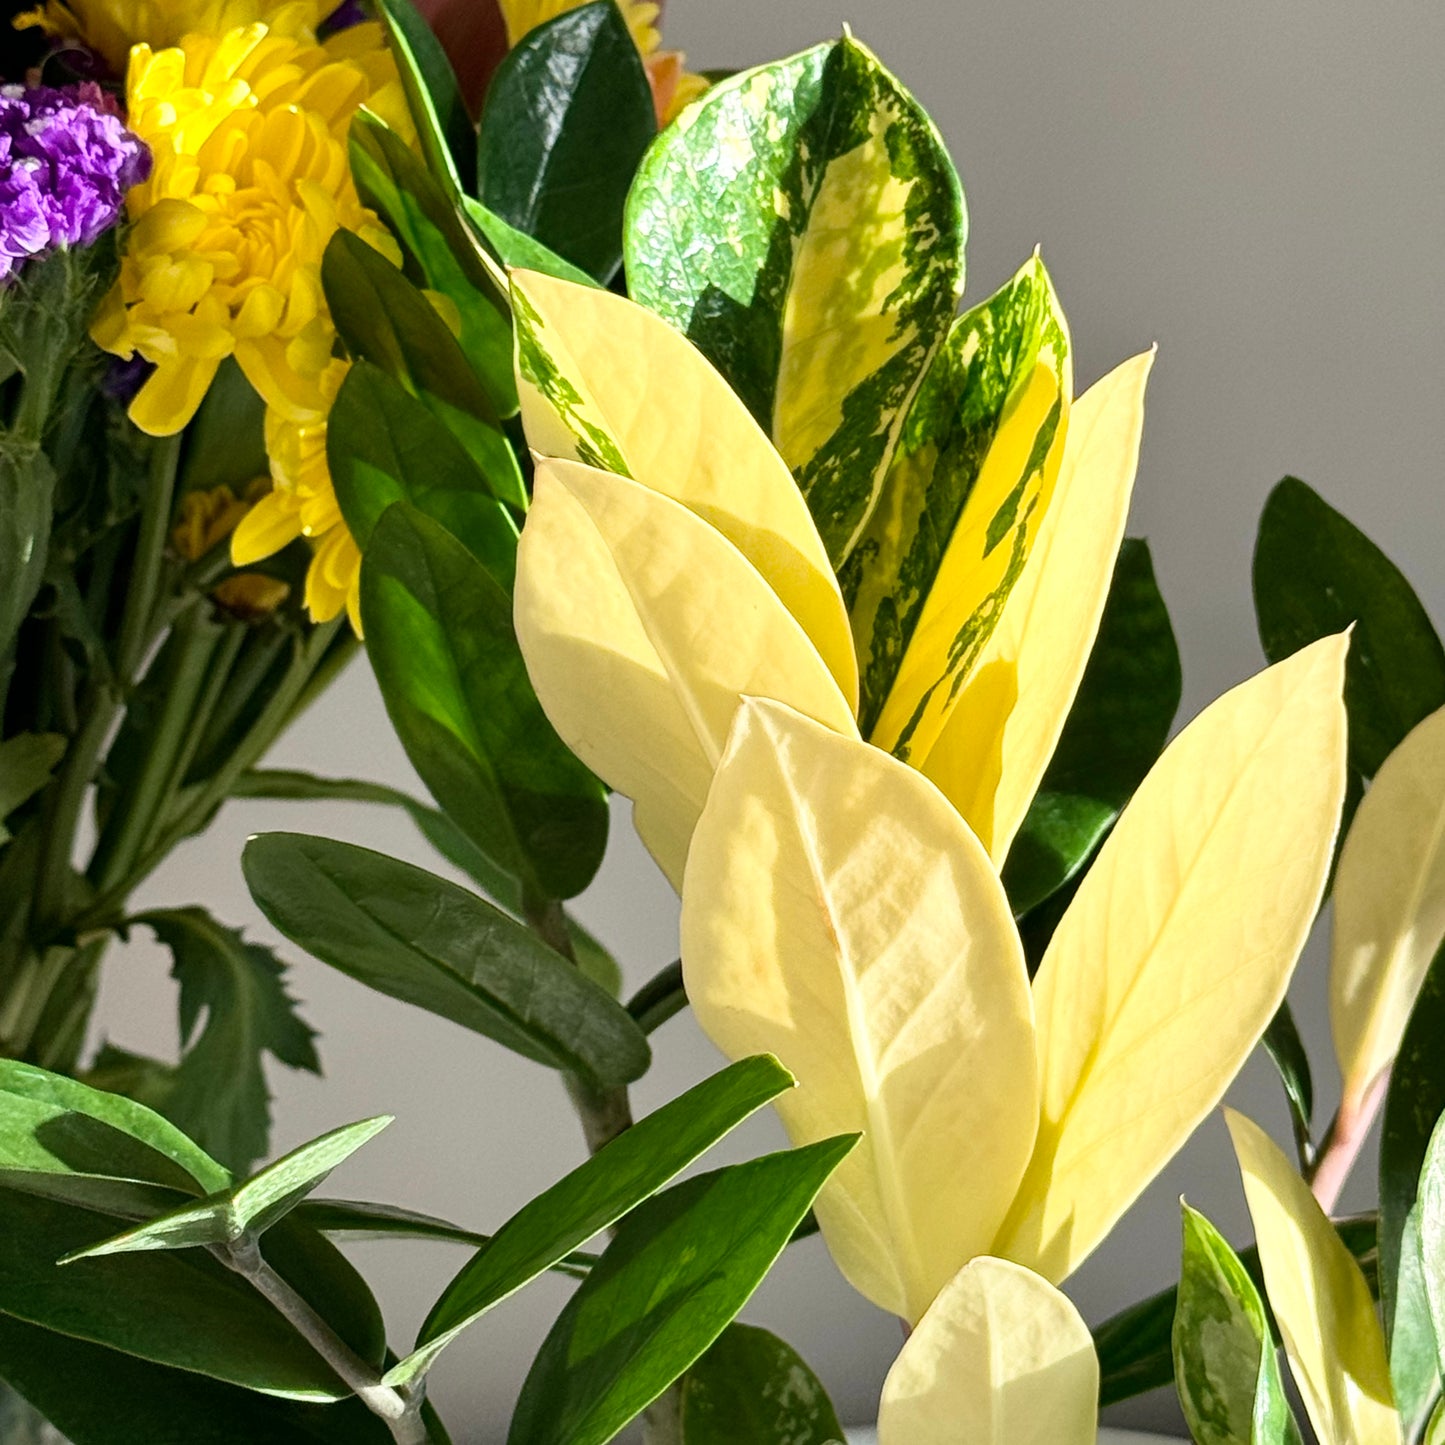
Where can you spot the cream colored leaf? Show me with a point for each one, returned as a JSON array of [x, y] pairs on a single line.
[[1332, 1337], [641, 626], [604, 381], [1389, 907], [1001, 1358], [1178, 947], [838, 914], [996, 745]]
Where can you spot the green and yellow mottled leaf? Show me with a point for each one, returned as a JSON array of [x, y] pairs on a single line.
[[1178, 948], [1001, 1358], [995, 748], [1326, 1317], [642, 626], [963, 502], [838, 914], [1389, 908], [803, 225], [604, 381]]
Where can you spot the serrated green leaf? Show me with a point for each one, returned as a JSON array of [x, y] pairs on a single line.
[[803, 225], [680, 1267], [568, 115], [26, 763], [250, 1207], [385, 446], [219, 1094], [1316, 573], [441, 641], [384, 319], [616, 1179], [752, 1386], [1226, 1364], [418, 938], [1116, 730]]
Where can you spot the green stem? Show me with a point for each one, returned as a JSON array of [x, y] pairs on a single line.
[[155, 521], [662, 997]]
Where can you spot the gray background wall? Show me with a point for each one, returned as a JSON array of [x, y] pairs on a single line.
[[1256, 186]]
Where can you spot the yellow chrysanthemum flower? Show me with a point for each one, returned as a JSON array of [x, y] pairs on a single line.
[[673, 87], [204, 520]]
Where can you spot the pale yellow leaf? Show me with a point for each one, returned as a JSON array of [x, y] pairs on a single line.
[[1178, 947], [1001, 1358], [1326, 1317], [641, 626], [996, 745], [838, 913], [604, 381], [1389, 907]]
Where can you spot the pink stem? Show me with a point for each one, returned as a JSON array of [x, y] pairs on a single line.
[[1347, 1135]]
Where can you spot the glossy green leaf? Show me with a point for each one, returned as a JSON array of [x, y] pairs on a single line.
[[1116, 730], [803, 225], [630, 1169], [219, 1094], [568, 115], [415, 206], [680, 1267], [384, 446], [516, 249], [1432, 1234], [384, 319], [1226, 1363], [1286, 1051], [26, 763], [1135, 1350], [1413, 1105], [418, 938], [250, 1207], [752, 1386], [96, 1396], [448, 138], [440, 638], [1315, 573]]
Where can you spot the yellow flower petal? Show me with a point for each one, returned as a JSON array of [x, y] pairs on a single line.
[[273, 523], [171, 395]]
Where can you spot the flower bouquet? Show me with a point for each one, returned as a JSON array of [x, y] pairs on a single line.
[[627, 419]]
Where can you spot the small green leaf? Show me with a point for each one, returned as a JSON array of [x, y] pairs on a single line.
[[619, 1177], [385, 446], [752, 1386], [679, 1269], [1286, 1050], [448, 138], [26, 763], [568, 115], [251, 1207], [219, 1095], [518, 250], [1226, 1366], [1116, 730], [395, 184], [384, 319], [1414, 1103], [1315, 574], [418, 938], [440, 638]]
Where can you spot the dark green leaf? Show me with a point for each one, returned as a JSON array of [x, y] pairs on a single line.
[[516, 248], [384, 446], [1115, 732], [1414, 1104], [752, 1386], [226, 443], [26, 762], [1135, 1347], [1286, 1050], [418, 938], [679, 1269], [1314, 574], [252, 1206], [440, 638], [1226, 1364], [448, 138], [219, 1096], [395, 184], [96, 1396], [384, 319], [568, 115], [619, 1177]]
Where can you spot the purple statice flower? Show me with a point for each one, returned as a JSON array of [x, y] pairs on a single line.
[[66, 162]]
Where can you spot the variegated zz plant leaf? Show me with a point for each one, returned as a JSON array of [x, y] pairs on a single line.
[[803, 225]]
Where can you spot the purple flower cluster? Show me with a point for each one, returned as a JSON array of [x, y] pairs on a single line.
[[66, 162]]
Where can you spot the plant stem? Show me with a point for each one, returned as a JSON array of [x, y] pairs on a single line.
[[401, 1413], [150, 551], [659, 999], [1342, 1144]]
